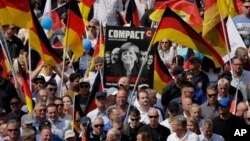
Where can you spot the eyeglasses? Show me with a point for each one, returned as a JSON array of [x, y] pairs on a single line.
[[134, 119], [14, 103], [153, 116], [101, 98], [238, 64], [94, 27], [84, 86], [99, 125], [52, 89], [11, 130], [164, 42], [211, 95]]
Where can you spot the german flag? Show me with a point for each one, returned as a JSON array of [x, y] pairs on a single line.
[[12, 10], [74, 30], [132, 14], [235, 7], [86, 6], [4, 62], [172, 27], [188, 11], [99, 48], [214, 20], [26, 89], [161, 73], [40, 43], [56, 16]]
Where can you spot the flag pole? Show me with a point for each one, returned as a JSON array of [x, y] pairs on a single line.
[[30, 74], [138, 76], [64, 52]]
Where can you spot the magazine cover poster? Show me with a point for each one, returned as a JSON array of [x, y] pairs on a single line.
[[125, 50]]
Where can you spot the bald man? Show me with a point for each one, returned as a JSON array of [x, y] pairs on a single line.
[[241, 109], [154, 129]]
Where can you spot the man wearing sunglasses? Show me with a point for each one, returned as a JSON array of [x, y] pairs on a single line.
[[154, 129], [131, 129], [97, 134], [14, 44], [82, 98]]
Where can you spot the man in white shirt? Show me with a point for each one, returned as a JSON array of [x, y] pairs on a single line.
[[58, 125], [101, 110], [180, 132], [207, 132]]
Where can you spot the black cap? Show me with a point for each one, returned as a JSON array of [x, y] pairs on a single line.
[[85, 120], [39, 77], [44, 124], [100, 94], [177, 70], [195, 59], [173, 106]]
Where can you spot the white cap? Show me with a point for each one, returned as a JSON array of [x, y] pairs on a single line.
[[112, 91], [143, 85], [69, 134]]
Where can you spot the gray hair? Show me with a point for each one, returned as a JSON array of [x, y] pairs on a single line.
[[181, 120], [27, 133], [208, 123], [223, 81], [115, 132]]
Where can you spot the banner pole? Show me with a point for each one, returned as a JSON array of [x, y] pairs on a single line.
[[138, 77]]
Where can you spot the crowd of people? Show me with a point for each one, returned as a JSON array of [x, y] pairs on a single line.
[[201, 103]]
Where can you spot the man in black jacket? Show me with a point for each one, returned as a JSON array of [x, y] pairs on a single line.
[[156, 131]]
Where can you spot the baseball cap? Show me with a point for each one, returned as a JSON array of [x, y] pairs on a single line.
[[98, 60], [44, 124], [39, 77], [112, 91], [224, 102], [27, 119], [85, 120], [100, 94], [69, 134], [83, 80], [143, 86], [2, 111], [173, 106], [177, 70]]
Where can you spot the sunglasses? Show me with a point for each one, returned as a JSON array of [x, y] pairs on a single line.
[[11, 130], [14, 103], [94, 27], [42, 110], [52, 89], [153, 116], [211, 95], [134, 119], [84, 86], [99, 125], [57, 105]]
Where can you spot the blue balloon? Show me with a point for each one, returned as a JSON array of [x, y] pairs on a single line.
[[87, 44], [47, 22]]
